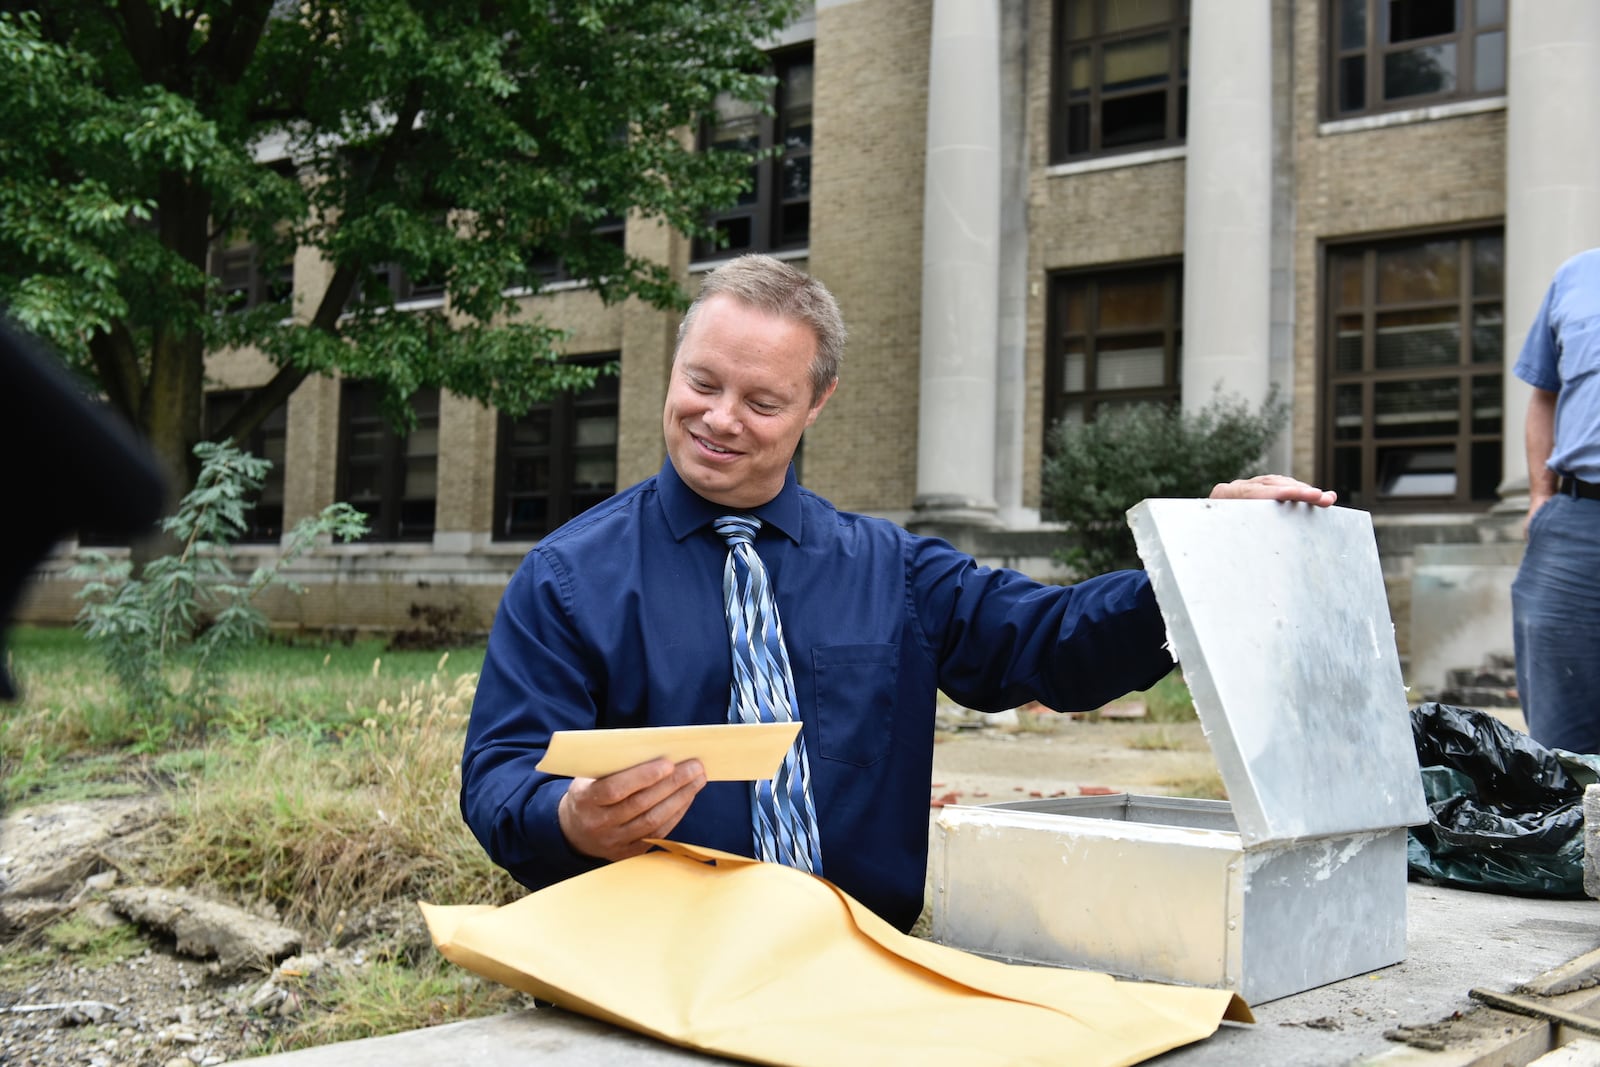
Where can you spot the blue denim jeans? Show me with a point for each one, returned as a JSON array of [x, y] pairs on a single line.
[[1555, 611]]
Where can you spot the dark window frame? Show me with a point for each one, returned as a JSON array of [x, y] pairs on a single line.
[[237, 265], [1093, 395], [1374, 56], [246, 282], [403, 288], [562, 497], [763, 212], [1369, 455], [269, 440], [391, 515], [1073, 139], [551, 268]]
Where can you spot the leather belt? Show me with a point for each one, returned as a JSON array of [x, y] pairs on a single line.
[[1579, 488]]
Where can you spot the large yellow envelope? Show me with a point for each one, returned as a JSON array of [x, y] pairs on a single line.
[[765, 963]]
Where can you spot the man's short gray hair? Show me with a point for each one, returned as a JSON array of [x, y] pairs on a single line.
[[772, 286]]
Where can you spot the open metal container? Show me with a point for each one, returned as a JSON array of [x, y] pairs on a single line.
[[1278, 615]]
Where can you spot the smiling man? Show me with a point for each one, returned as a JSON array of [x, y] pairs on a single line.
[[662, 607]]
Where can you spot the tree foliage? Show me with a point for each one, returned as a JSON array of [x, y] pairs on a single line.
[[1096, 471], [169, 634], [445, 137]]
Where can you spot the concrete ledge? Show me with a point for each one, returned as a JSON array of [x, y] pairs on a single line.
[[1456, 941]]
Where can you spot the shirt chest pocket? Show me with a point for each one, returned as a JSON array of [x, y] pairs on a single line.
[[1580, 348], [855, 701]]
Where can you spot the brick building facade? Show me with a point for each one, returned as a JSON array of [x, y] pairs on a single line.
[[1029, 209]]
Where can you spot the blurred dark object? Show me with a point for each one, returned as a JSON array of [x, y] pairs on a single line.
[[1507, 811], [70, 462]]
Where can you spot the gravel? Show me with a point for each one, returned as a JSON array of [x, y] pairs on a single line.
[[155, 1008]]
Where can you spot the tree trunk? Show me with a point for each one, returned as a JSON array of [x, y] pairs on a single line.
[[174, 393]]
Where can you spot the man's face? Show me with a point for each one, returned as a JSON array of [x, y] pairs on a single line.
[[739, 399]]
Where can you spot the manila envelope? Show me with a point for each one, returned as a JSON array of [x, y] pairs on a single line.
[[730, 752], [765, 963]]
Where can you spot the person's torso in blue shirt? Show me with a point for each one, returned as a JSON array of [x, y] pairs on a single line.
[[1562, 356], [617, 620]]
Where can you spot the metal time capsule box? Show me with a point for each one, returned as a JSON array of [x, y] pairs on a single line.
[[1278, 617]]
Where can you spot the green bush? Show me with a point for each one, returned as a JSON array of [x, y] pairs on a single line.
[[1096, 471], [169, 632]]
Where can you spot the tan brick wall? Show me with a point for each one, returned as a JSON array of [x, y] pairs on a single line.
[[648, 336], [238, 368], [310, 467], [866, 244], [467, 431], [1120, 215], [384, 603], [1110, 217], [1447, 172]]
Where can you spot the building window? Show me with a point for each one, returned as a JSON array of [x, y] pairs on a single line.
[[774, 213], [248, 282], [1388, 54], [557, 460], [1412, 383], [393, 479], [548, 266], [269, 441], [1119, 76], [1115, 339], [392, 283]]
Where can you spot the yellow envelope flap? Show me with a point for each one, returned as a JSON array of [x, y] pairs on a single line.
[[765, 963], [730, 752], [1027, 985]]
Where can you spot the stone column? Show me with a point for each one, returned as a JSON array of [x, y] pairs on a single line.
[[1011, 374], [1227, 241], [1552, 182], [464, 508], [960, 267]]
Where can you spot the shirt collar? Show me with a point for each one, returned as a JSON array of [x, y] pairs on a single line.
[[688, 511]]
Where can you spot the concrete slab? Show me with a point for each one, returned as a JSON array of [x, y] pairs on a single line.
[[1456, 941]]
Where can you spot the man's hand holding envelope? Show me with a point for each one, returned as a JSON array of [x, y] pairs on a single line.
[[634, 784]]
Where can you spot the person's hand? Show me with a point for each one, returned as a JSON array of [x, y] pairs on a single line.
[[1536, 501], [610, 817], [1274, 487]]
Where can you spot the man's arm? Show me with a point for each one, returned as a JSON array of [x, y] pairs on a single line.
[[1540, 439], [536, 679], [1001, 639]]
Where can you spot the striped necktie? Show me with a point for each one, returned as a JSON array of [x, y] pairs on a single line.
[[763, 691]]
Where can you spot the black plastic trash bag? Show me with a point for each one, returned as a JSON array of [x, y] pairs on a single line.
[[1507, 812]]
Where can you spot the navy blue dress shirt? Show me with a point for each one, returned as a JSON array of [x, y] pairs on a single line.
[[616, 620]]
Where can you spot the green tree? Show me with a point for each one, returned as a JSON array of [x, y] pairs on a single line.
[[446, 137], [1096, 471]]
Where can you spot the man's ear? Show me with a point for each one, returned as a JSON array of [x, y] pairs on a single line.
[[816, 409]]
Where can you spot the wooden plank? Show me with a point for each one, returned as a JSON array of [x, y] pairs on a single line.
[[1583, 1024], [1580, 973], [1581, 1052]]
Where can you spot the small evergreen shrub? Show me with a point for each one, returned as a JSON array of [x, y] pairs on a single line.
[[169, 632], [1096, 471]]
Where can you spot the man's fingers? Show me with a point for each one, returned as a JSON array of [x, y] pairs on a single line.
[[1274, 487], [610, 817], [617, 788]]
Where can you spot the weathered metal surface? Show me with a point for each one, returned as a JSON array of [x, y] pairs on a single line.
[[1278, 616], [1056, 882]]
